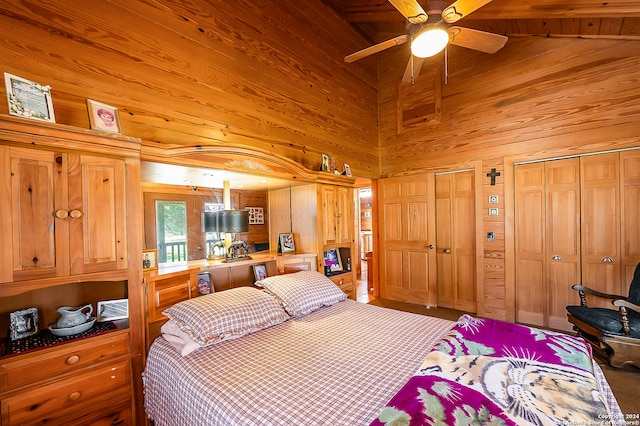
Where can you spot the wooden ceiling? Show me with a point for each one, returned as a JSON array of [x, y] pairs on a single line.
[[378, 20]]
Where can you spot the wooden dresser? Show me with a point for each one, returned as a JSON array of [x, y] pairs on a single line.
[[70, 236]]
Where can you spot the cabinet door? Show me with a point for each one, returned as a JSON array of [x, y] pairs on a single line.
[[344, 215], [329, 212], [97, 214], [39, 239]]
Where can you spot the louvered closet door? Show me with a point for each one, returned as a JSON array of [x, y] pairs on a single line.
[[407, 215]]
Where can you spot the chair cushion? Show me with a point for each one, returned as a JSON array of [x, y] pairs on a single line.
[[607, 320], [634, 287]]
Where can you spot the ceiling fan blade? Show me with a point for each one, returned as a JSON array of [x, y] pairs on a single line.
[[376, 48], [476, 40], [411, 10], [413, 69], [461, 8]]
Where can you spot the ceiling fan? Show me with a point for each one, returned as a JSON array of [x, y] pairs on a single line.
[[430, 32]]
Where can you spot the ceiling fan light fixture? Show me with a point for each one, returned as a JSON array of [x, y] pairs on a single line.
[[430, 42]]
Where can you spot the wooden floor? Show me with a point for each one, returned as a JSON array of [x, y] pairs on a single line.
[[625, 383]]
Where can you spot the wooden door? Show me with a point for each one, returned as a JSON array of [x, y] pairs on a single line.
[[97, 214], [630, 215], [39, 243], [600, 178], [455, 236], [562, 245], [407, 238], [530, 243]]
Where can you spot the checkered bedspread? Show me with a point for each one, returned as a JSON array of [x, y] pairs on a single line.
[[336, 366]]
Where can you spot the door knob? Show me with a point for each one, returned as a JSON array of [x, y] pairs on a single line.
[[431, 246], [557, 257], [447, 250], [607, 260]]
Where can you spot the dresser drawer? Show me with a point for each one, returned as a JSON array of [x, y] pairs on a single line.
[[65, 401], [30, 369]]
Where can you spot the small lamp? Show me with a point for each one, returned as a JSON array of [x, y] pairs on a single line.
[[232, 222], [429, 42]]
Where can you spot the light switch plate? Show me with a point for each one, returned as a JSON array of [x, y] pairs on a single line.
[[493, 212], [493, 199]]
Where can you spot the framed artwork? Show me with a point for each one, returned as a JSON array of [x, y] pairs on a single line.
[[29, 99], [204, 284], [260, 271], [256, 215], [286, 243], [325, 163], [332, 260], [332, 164], [103, 117], [111, 310], [23, 323], [149, 259], [347, 170]]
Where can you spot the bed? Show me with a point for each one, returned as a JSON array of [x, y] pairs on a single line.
[[298, 353]]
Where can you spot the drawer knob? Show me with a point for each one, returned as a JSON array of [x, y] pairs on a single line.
[[73, 359], [74, 396]]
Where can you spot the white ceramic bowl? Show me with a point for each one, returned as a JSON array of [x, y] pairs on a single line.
[[70, 331]]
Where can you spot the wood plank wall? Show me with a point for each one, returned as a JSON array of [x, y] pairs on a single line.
[[536, 98], [268, 74]]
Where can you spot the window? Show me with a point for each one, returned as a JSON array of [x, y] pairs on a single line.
[[171, 222]]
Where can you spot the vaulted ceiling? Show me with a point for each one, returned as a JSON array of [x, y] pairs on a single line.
[[378, 20]]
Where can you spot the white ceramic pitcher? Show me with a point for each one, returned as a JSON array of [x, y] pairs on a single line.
[[72, 317]]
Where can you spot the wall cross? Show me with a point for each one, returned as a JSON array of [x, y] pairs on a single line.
[[493, 176]]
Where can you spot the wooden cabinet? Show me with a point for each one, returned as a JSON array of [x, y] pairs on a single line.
[[71, 233], [78, 383], [336, 214], [69, 211]]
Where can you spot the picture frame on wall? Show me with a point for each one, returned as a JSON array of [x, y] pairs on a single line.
[[103, 117], [286, 243], [23, 323], [149, 260], [204, 284], [29, 99], [256, 215], [260, 272]]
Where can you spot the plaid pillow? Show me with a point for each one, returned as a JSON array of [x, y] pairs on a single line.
[[226, 315], [303, 292]]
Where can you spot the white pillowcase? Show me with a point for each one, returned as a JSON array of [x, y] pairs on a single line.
[[226, 315], [178, 338], [303, 292]]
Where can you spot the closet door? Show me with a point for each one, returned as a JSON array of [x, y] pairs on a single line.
[[407, 238], [600, 178], [455, 249], [530, 206], [562, 246], [630, 215]]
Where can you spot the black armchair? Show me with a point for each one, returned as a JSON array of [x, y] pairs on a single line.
[[614, 334]]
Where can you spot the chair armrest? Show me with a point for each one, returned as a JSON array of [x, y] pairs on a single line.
[[623, 302], [582, 290], [622, 305]]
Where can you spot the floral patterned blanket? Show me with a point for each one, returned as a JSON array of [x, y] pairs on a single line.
[[490, 372]]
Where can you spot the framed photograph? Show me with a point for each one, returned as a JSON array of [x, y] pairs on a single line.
[[260, 271], [332, 260], [23, 323], [325, 163], [103, 117], [29, 99], [287, 245], [149, 259], [204, 284], [347, 170], [111, 310], [256, 215], [332, 164]]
